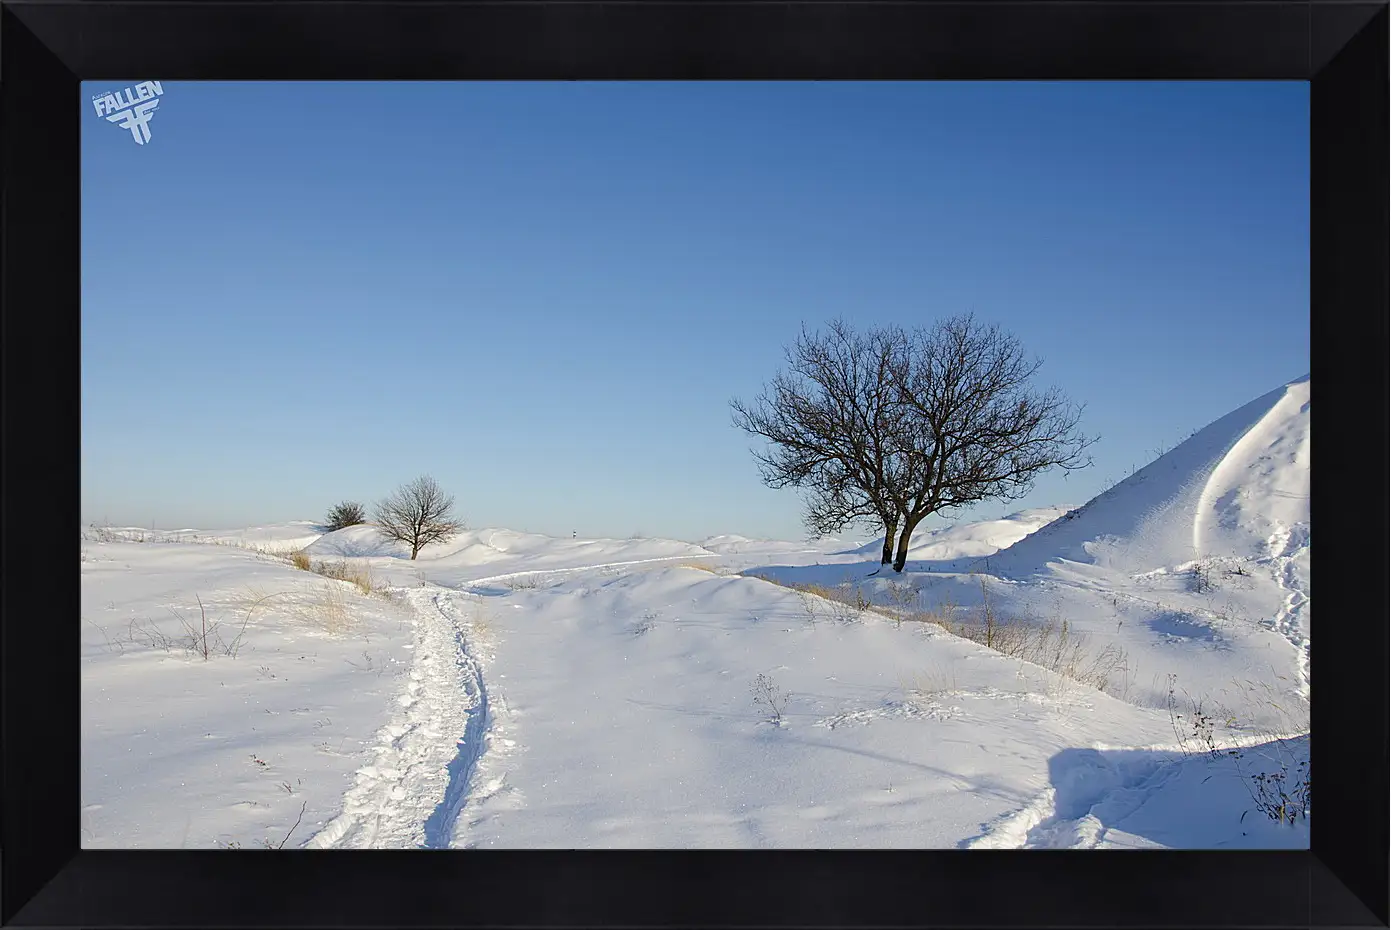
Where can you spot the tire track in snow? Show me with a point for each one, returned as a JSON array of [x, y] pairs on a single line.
[[407, 796]]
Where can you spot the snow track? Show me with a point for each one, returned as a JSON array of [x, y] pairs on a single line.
[[1286, 548], [474, 582], [410, 794], [1089, 792], [439, 829]]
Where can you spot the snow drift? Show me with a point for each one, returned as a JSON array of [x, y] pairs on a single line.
[[970, 540], [1238, 488]]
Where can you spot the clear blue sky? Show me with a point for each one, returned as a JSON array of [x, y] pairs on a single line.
[[546, 294]]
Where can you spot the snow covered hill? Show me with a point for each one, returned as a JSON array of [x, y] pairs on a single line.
[[1200, 560], [1238, 488]]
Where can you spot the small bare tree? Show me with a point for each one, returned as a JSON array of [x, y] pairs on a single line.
[[895, 426], [417, 514]]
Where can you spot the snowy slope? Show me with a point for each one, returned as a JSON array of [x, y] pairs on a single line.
[[623, 717], [1198, 564], [1238, 488], [179, 751]]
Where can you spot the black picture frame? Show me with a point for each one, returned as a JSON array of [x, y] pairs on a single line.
[[47, 49]]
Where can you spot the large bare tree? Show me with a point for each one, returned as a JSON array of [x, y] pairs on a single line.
[[895, 426], [833, 427], [980, 429], [417, 514]]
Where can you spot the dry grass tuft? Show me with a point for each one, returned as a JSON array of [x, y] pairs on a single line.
[[705, 565], [481, 622], [844, 603], [361, 578], [926, 687], [1052, 644], [326, 610]]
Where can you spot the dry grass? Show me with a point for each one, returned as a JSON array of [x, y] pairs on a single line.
[[903, 595], [1264, 755], [327, 611], [481, 622], [843, 604], [926, 687], [1052, 644], [1265, 710], [705, 565], [206, 635], [301, 560], [361, 578]]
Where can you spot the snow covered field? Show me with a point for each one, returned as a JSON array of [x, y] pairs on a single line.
[[515, 690]]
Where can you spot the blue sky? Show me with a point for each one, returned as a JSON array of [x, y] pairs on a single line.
[[546, 294]]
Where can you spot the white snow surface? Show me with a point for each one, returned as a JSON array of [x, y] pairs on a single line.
[[968, 540], [1231, 490], [512, 690]]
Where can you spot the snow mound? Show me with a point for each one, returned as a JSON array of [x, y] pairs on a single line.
[[277, 538], [362, 541], [726, 538], [1238, 488], [732, 544], [971, 540], [500, 551]]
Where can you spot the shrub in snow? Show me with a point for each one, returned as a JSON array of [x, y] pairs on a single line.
[[768, 695], [1283, 796], [348, 513]]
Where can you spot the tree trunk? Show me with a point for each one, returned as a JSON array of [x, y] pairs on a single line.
[[415, 548], [889, 527], [909, 524]]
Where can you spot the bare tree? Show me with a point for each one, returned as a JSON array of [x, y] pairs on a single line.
[[979, 430], [894, 426], [417, 514], [833, 425]]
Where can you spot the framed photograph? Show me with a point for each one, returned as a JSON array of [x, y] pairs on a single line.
[[735, 464]]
